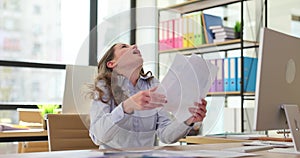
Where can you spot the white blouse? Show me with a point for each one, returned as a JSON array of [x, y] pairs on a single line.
[[110, 127]]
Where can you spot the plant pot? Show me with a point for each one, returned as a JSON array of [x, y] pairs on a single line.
[[44, 121], [237, 35], [44, 124]]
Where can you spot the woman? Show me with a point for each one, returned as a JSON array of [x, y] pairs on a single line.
[[126, 111]]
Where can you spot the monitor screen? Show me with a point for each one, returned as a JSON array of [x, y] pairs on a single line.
[[278, 79], [75, 99]]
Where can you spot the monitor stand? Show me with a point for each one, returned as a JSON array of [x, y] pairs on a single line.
[[292, 114]]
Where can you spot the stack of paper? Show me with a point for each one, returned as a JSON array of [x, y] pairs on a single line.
[[187, 81], [8, 127], [179, 153]]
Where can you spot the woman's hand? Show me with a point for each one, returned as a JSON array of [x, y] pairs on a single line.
[[144, 100], [198, 112]]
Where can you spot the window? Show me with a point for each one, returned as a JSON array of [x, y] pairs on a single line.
[[280, 15], [46, 33], [56, 35], [113, 23]]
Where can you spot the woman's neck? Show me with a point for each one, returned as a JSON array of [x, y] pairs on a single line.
[[135, 76]]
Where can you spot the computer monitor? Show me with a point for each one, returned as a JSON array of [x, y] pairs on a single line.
[[278, 79], [74, 99], [277, 95]]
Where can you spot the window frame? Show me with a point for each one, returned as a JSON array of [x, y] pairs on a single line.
[[92, 51]]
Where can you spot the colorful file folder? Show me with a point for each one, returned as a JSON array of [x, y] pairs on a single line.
[[226, 74], [213, 87], [232, 74], [220, 75], [250, 69], [178, 33], [198, 30]]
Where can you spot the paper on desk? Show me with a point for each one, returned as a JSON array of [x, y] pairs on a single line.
[[199, 153], [187, 81], [10, 127], [183, 153]]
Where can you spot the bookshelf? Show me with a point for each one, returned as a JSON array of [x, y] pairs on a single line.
[[211, 47], [198, 5], [240, 44], [233, 93]]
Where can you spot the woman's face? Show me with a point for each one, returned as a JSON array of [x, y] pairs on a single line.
[[121, 49], [127, 60], [124, 53]]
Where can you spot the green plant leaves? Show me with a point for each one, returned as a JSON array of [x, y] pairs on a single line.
[[237, 26], [48, 108]]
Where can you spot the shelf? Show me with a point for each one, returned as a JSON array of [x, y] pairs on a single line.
[[198, 5], [213, 47], [233, 93], [236, 44]]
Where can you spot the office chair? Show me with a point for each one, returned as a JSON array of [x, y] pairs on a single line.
[[69, 132]]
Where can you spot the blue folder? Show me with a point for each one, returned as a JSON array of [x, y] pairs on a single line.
[[210, 20], [250, 69], [232, 74], [226, 75]]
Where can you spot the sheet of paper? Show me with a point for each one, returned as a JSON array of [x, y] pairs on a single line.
[[187, 81], [247, 149], [25, 130], [213, 122], [75, 153], [183, 153], [199, 153]]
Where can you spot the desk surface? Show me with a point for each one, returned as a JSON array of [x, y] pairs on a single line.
[[212, 140], [23, 135], [98, 153]]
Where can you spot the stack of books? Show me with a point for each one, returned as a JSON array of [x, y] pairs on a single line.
[[222, 33]]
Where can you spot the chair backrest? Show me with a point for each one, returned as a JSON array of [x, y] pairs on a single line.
[[69, 132]]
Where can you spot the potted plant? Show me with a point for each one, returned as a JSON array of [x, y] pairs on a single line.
[[237, 29], [47, 109]]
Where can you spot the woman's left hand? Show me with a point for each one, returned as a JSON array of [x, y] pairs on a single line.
[[198, 112]]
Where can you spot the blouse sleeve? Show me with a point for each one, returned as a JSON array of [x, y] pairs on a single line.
[[104, 121], [169, 131]]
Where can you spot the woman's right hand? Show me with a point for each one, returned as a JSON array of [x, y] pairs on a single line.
[[144, 100]]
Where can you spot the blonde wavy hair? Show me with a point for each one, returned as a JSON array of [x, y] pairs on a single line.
[[105, 74]]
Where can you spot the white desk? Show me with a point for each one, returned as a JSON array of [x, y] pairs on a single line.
[[98, 153]]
